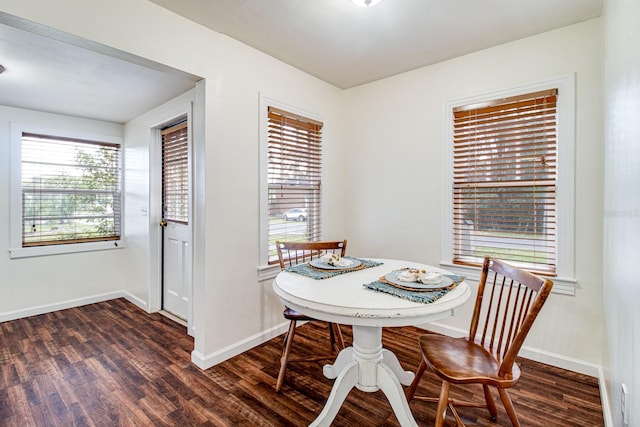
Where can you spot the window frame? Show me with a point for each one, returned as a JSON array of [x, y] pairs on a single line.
[[16, 250], [266, 270], [564, 281]]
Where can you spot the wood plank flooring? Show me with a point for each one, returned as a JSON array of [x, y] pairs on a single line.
[[111, 364]]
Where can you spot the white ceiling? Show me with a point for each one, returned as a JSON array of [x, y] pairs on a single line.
[[334, 40], [50, 71], [347, 45]]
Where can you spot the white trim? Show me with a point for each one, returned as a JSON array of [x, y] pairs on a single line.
[[155, 201], [266, 272], [34, 251], [560, 361], [207, 361], [196, 322], [15, 182], [189, 277], [199, 360], [136, 300], [62, 305], [604, 399], [155, 215], [565, 281], [265, 103], [72, 303], [15, 185]]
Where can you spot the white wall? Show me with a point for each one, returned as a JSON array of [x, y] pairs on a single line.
[[46, 283], [230, 304], [622, 205], [395, 174]]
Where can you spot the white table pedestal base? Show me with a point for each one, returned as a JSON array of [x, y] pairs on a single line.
[[370, 368]]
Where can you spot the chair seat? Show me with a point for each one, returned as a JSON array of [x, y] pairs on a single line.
[[291, 314], [459, 361]]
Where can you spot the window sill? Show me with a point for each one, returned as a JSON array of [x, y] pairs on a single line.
[[15, 253], [266, 272], [561, 285]]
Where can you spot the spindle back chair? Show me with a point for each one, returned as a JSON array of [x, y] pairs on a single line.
[[290, 254], [508, 301]]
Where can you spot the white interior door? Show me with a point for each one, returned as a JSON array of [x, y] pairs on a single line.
[[176, 236], [176, 268]]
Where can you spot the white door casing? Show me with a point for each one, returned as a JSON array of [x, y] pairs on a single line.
[[171, 248]]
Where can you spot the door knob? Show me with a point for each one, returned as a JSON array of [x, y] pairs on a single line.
[[163, 223]]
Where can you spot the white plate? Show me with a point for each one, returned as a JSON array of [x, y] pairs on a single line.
[[393, 278], [317, 263]]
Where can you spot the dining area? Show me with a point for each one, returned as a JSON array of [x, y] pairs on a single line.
[[318, 282]]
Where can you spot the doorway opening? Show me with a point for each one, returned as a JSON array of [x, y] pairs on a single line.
[[176, 247]]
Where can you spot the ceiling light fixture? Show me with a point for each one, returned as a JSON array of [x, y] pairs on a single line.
[[366, 3], [2, 69]]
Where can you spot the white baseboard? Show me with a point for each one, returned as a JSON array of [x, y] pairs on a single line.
[[207, 361], [560, 361], [537, 355], [48, 308], [604, 399], [135, 300]]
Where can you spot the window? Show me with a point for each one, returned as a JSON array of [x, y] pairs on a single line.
[[504, 181], [294, 178], [68, 193], [509, 191], [175, 173]]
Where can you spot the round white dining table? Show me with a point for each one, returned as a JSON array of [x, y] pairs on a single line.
[[365, 365]]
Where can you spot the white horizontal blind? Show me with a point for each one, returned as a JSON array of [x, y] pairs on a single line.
[[71, 190], [294, 178], [504, 184], [175, 173]]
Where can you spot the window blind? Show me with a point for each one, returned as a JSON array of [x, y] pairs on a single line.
[[504, 181], [175, 173], [71, 190], [294, 178]]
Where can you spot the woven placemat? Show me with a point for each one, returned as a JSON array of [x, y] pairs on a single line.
[[316, 273], [382, 285]]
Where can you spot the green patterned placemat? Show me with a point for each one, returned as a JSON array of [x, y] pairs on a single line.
[[415, 296], [306, 270]]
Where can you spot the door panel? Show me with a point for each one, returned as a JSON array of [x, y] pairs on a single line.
[[177, 262]]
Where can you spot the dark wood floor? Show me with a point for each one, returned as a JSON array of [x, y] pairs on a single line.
[[112, 364]]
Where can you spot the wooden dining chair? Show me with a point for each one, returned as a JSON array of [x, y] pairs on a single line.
[[507, 303], [290, 254]]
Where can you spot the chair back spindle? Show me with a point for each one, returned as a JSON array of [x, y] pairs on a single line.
[[507, 304], [293, 253]]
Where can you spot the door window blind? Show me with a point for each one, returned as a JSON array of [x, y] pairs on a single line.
[[71, 190], [504, 181], [175, 173], [294, 178]]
